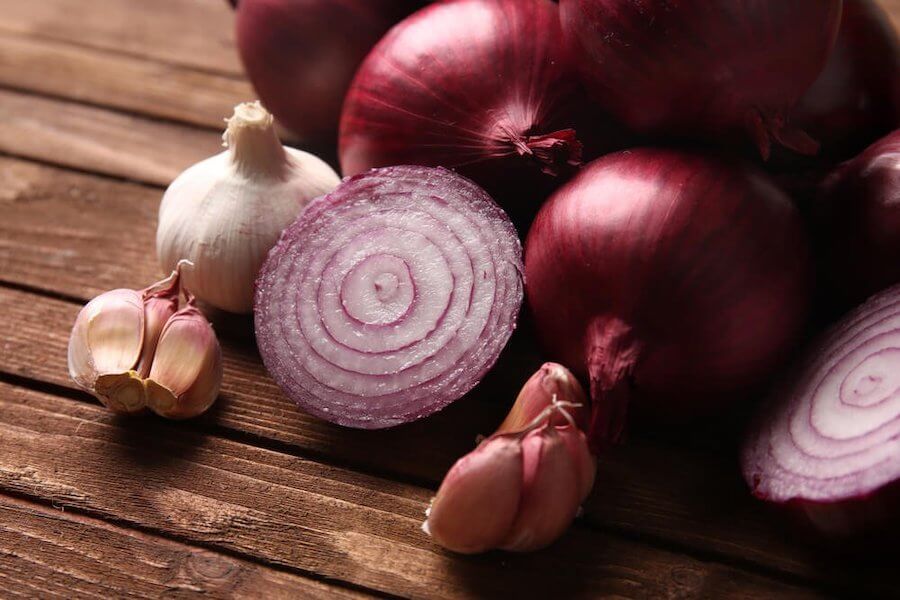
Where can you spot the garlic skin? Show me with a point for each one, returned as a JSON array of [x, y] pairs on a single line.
[[135, 350], [226, 212], [187, 368], [551, 381]]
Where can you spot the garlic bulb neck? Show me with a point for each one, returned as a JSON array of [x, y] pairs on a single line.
[[256, 151]]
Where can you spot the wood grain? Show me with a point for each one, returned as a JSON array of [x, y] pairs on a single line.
[[193, 33], [118, 81], [99, 140], [303, 515], [696, 501], [49, 552]]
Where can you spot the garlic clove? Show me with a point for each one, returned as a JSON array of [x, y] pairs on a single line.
[[550, 492], [122, 393], [551, 380], [477, 502], [107, 337], [584, 463], [157, 311], [186, 371]]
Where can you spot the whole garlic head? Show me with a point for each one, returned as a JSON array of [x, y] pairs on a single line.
[[226, 212]]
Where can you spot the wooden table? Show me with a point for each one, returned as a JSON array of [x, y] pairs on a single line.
[[102, 103]]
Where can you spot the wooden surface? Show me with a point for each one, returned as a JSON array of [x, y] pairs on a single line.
[[102, 103]]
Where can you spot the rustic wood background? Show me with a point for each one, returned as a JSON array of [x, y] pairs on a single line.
[[102, 103]]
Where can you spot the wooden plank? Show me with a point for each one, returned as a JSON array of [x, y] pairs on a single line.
[[303, 515], [99, 140], [644, 487], [195, 33], [48, 552], [119, 81]]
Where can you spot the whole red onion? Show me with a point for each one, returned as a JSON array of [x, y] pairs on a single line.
[[828, 442], [485, 87], [300, 55], [856, 99], [857, 223], [668, 278], [718, 69]]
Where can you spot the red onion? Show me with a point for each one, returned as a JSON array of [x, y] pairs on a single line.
[[856, 99], [703, 68], [669, 278], [829, 441], [300, 55], [390, 297], [858, 222], [482, 86]]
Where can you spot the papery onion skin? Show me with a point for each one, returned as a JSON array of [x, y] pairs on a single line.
[[390, 297], [710, 69], [485, 87], [857, 224], [300, 55], [856, 99], [668, 278], [820, 445]]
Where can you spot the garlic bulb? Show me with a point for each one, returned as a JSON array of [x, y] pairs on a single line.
[[136, 350], [225, 213]]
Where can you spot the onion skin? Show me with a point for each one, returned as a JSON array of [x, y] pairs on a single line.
[[669, 279], [825, 445], [485, 87], [390, 297], [720, 70], [856, 99], [300, 55], [857, 223]]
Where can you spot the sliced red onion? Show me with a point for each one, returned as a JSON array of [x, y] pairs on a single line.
[[830, 440], [390, 297]]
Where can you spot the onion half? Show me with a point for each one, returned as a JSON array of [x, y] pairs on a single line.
[[716, 69], [390, 297], [485, 87], [829, 441]]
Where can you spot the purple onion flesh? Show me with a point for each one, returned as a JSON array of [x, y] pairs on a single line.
[[390, 297], [829, 443]]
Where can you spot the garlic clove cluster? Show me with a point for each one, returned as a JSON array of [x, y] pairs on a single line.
[[226, 212], [520, 489], [136, 350], [513, 492]]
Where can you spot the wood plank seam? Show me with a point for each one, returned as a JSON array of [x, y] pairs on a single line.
[[227, 74], [40, 509], [180, 539], [118, 110]]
